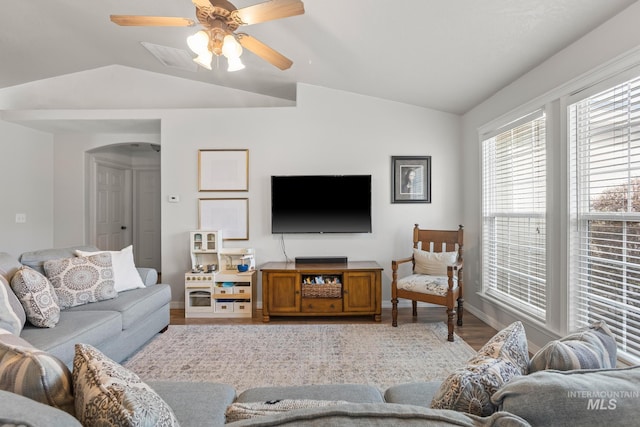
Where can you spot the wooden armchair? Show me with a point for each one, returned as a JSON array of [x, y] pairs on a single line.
[[437, 273]]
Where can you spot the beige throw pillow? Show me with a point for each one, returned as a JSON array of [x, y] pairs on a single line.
[[433, 263], [81, 280], [37, 296]]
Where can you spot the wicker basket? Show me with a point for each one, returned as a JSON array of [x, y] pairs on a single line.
[[333, 290]]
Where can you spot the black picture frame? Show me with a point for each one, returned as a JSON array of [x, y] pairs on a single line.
[[411, 179]]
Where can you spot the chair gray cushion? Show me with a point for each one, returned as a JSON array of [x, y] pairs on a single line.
[[420, 393], [585, 398], [376, 414], [196, 403], [93, 327], [22, 411], [36, 259], [357, 393], [135, 305]]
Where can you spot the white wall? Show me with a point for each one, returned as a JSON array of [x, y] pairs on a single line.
[[589, 55], [330, 132], [27, 188]]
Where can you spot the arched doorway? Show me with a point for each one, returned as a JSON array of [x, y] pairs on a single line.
[[123, 205]]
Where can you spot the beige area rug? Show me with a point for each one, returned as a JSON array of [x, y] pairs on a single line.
[[246, 356]]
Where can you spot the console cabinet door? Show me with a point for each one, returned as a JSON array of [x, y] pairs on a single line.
[[283, 292], [360, 290]]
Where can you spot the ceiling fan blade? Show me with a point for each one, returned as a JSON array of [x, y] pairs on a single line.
[[267, 11], [263, 51], [215, 3], [151, 21]]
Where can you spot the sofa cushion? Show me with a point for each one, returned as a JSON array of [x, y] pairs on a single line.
[[37, 296], [593, 347], [125, 275], [244, 411], [387, 414], [585, 398], [357, 393], [16, 410], [433, 263], [94, 327], [36, 259], [196, 403], [12, 314], [134, 305], [35, 374], [108, 394], [418, 393], [81, 280]]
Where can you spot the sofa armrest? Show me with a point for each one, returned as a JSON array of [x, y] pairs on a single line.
[[149, 275]]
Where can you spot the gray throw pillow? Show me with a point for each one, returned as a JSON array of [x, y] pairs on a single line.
[[81, 280], [37, 296], [12, 315], [593, 347], [585, 398]]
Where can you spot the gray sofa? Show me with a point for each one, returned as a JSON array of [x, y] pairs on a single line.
[[117, 327], [568, 397]]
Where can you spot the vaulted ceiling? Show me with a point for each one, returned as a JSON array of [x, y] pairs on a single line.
[[448, 55]]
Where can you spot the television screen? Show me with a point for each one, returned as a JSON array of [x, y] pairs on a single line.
[[321, 204]]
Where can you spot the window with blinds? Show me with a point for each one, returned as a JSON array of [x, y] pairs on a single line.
[[605, 243], [514, 214]]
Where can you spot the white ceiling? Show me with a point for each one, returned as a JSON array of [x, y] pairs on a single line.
[[442, 54]]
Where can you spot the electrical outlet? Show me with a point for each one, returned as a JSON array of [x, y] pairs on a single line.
[[21, 218]]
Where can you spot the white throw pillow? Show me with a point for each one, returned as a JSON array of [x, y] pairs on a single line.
[[125, 274], [433, 263]]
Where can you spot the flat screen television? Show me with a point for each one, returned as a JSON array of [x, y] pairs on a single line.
[[321, 204]]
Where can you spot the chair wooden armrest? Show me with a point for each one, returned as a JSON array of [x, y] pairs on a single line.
[[397, 262]]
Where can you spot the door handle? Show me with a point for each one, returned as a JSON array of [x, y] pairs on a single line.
[[124, 227]]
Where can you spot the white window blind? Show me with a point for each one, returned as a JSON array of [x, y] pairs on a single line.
[[605, 243], [514, 214]]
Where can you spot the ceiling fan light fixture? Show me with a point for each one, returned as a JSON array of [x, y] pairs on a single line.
[[235, 64], [198, 42], [231, 48], [204, 60]]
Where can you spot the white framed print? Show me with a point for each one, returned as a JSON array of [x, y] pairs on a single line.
[[223, 170], [231, 216]]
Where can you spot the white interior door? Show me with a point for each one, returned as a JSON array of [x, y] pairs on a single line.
[[112, 208]]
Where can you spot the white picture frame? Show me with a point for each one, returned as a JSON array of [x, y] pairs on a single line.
[[223, 170], [229, 215]]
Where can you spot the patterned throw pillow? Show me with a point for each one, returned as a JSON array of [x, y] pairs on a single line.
[[502, 358], [470, 389], [593, 347], [12, 315], [35, 374], [107, 394], [243, 411], [81, 280], [511, 344], [433, 263], [37, 296]]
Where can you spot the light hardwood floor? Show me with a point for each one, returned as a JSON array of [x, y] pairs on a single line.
[[474, 331]]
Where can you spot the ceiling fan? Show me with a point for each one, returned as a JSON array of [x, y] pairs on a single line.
[[220, 19]]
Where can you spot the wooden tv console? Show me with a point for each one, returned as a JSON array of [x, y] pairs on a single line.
[[343, 289]]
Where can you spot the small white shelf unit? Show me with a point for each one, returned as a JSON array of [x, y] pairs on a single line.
[[214, 287]]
